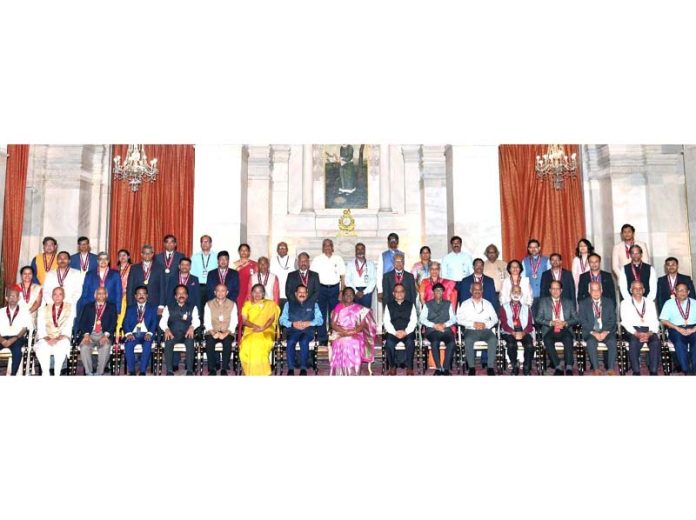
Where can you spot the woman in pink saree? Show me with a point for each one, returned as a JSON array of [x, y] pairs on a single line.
[[353, 336]]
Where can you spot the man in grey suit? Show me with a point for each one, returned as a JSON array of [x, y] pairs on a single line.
[[598, 321], [398, 275], [557, 316]]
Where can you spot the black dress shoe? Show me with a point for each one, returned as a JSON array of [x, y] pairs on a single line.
[[131, 373], [142, 374], [653, 373], [212, 373], [446, 373], [516, 370], [223, 372], [303, 372], [291, 372], [558, 372], [189, 372], [569, 371], [490, 371], [437, 373], [526, 371], [170, 373], [472, 371], [176, 369], [484, 365], [636, 373]]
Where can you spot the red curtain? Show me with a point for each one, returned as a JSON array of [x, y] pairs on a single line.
[[13, 212], [156, 209], [531, 208]]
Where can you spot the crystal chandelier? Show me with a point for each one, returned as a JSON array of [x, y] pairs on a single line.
[[556, 165], [136, 167]]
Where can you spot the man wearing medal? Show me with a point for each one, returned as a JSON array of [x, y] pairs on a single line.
[[139, 325], [634, 270], [597, 315], [97, 327], [361, 276], [169, 260], [281, 266], [639, 318], [621, 254], [595, 274], [223, 275], [557, 316], [562, 275], [150, 274], [202, 264], [302, 276], [45, 262], [179, 321], [385, 264], [535, 264], [184, 277], [399, 276], [667, 284], [105, 277], [71, 280], [54, 328], [679, 317], [84, 261], [15, 321]]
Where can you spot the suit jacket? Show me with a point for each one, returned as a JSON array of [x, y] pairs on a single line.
[[231, 282], [173, 276], [114, 289], [155, 285], [293, 282], [587, 319], [150, 320], [663, 294], [75, 262], [194, 294], [88, 317], [567, 281], [544, 313], [464, 290], [409, 283], [608, 287]]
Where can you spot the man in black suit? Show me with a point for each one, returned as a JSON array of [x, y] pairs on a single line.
[[597, 316], [97, 327], [398, 276], [666, 285], [595, 274], [464, 286], [557, 316], [559, 274], [223, 275], [149, 274], [303, 276], [169, 260]]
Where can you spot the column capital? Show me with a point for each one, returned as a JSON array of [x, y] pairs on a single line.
[[412, 153], [434, 160], [259, 161], [280, 153]]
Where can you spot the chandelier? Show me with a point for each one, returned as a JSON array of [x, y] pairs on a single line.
[[136, 167], [555, 165]]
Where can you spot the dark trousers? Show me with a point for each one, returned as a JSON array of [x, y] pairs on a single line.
[[303, 337], [210, 353], [435, 337], [169, 353], [129, 347], [527, 344], [203, 299], [390, 347], [16, 349], [565, 336], [592, 353], [685, 348], [328, 299], [366, 300], [634, 346]]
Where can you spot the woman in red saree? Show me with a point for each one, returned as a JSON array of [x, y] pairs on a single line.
[[353, 336], [245, 267]]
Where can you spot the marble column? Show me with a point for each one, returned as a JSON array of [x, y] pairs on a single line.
[[689, 152], [385, 179], [307, 178], [280, 164], [259, 199], [412, 204], [435, 199]]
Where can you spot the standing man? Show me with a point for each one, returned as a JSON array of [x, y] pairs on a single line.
[[169, 260], [54, 327], [495, 268], [456, 265], [517, 324], [679, 317], [149, 274], [140, 325], [281, 265], [302, 276], [478, 317], [667, 284], [534, 264], [557, 316], [399, 321], [179, 321], [332, 271], [15, 321], [621, 255], [202, 263], [561, 275], [478, 276], [399, 276], [437, 316], [105, 277], [300, 317], [97, 325], [634, 270], [225, 276], [220, 322], [595, 274], [361, 275], [639, 318], [71, 280], [385, 263], [597, 316], [185, 278], [45, 262], [84, 260]]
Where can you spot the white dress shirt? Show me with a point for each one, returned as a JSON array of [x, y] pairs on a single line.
[[630, 317], [456, 266], [140, 327], [368, 280], [281, 266], [618, 256], [623, 285], [470, 312], [329, 268], [425, 321], [412, 321], [527, 294], [72, 284], [195, 320], [22, 321], [380, 269]]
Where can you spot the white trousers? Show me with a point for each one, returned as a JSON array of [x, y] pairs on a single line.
[[44, 351]]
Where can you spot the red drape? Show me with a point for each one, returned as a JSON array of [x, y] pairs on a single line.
[[157, 209], [531, 208], [13, 212]]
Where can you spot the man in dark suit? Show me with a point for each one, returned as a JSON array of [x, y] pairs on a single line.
[[562, 275], [557, 316], [105, 277], [595, 274], [149, 274], [597, 315], [185, 278], [666, 285], [303, 276], [139, 325], [169, 260], [83, 260], [399, 276], [97, 326], [464, 286], [223, 275]]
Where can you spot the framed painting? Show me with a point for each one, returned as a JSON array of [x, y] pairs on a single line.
[[345, 174]]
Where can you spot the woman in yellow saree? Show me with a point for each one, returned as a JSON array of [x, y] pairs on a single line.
[[259, 318]]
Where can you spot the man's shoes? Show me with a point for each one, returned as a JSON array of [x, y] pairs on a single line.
[[472, 371], [653, 373], [189, 372], [176, 369], [526, 371], [516, 370], [490, 371], [569, 371], [409, 371], [446, 373], [392, 371], [437, 372], [223, 372], [611, 373], [303, 372], [636, 373], [212, 373], [131, 373], [484, 365], [170, 373], [558, 372], [291, 371], [142, 374]]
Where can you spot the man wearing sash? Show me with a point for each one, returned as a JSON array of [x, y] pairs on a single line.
[[105, 277], [300, 317], [597, 315], [562, 275], [667, 284], [71, 280], [385, 263], [621, 255], [457, 264], [361, 276], [179, 321], [534, 265], [15, 321], [636, 269], [281, 266], [140, 325], [150, 274], [97, 326], [225, 276], [557, 316], [220, 322], [54, 327], [478, 317], [679, 317], [169, 260], [399, 276], [517, 324], [202, 264], [45, 262], [478, 276], [639, 318], [184, 277], [595, 274], [302, 276], [84, 260]]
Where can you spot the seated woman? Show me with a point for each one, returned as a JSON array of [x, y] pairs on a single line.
[[259, 318], [353, 336]]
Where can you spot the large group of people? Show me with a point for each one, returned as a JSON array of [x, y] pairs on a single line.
[[82, 301]]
